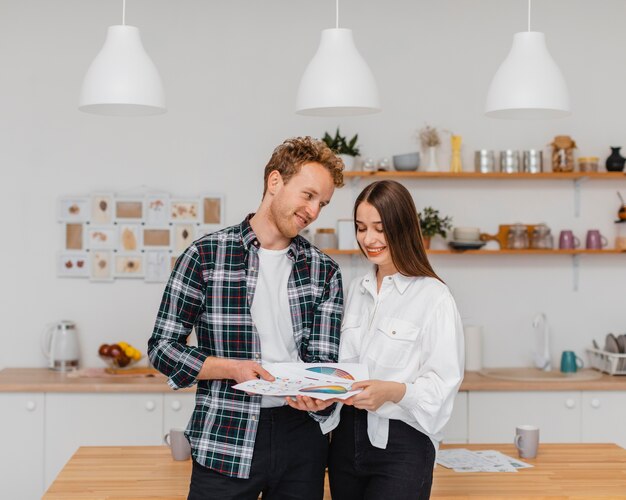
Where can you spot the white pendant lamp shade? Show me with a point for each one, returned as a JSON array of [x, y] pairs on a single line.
[[337, 81], [122, 80], [528, 84]]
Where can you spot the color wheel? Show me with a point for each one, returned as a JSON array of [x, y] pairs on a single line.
[[327, 389], [329, 370]]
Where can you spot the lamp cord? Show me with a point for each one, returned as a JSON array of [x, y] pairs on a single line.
[[336, 14], [123, 12], [529, 15]]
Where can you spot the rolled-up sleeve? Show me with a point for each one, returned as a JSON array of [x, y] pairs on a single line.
[[180, 307]]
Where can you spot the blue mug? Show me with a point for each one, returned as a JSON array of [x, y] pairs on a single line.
[[570, 363]]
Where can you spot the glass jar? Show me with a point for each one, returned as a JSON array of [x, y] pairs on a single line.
[[325, 237], [518, 237], [588, 163], [541, 237]]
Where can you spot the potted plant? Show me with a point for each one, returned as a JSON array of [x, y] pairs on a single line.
[[432, 224], [429, 140], [346, 150]]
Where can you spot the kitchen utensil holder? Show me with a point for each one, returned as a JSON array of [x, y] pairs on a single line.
[[607, 362]]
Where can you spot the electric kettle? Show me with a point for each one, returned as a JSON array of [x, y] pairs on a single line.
[[60, 346]]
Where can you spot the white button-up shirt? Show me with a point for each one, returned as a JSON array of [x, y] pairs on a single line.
[[409, 332]]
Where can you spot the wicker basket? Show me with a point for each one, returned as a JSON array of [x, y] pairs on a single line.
[[607, 362]]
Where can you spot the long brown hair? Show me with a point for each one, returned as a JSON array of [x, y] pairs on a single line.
[[400, 226]]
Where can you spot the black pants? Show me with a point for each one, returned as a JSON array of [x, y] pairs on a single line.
[[357, 470], [288, 463]]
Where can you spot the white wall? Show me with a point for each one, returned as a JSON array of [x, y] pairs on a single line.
[[231, 71]]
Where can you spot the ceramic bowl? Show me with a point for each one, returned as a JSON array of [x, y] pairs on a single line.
[[408, 161], [466, 234]]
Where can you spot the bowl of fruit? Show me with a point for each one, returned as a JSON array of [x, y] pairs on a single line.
[[119, 355]]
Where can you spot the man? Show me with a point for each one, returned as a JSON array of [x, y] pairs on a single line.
[[256, 292]]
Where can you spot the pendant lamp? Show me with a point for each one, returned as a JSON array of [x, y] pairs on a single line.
[[337, 81], [122, 80], [528, 83]]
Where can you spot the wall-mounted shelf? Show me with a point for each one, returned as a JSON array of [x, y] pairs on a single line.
[[571, 176], [576, 177], [332, 251], [575, 254]]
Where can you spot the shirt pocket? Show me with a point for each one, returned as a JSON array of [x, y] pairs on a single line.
[[393, 342], [350, 340]]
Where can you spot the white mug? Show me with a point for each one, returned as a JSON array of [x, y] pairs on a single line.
[[527, 440], [177, 441]]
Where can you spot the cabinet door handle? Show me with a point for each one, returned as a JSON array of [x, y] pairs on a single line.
[[595, 403], [176, 405], [150, 405], [570, 403], [31, 406]]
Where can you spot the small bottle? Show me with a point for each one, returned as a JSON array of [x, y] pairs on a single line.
[[325, 237]]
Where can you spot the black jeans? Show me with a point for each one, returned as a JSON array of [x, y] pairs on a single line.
[[288, 463], [357, 470]]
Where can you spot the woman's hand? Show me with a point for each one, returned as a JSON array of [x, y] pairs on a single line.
[[305, 403], [375, 393]]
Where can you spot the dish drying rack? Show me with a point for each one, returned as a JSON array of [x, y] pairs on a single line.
[[607, 362]]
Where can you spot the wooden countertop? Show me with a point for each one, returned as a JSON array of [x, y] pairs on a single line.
[[563, 471], [474, 381], [44, 380]]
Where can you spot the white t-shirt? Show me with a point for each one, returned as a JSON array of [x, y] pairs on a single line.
[[271, 313]]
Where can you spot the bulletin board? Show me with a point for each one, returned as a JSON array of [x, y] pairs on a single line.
[[107, 236]]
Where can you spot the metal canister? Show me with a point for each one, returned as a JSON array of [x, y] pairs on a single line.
[[484, 161], [509, 161], [533, 161]]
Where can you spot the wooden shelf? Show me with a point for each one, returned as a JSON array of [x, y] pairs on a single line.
[[332, 251], [572, 176]]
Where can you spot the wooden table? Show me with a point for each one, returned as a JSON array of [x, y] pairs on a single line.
[[563, 471]]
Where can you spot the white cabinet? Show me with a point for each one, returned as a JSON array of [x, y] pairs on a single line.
[[21, 458], [603, 415], [455, 430], [74, 420], [177, 410], [493, 416]]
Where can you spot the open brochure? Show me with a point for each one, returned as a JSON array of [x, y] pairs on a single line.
[[317, 380], [464, 460]]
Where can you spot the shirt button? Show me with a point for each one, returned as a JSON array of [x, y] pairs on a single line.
[[393, 332], [253, 269], [257, 356], [253, 418]]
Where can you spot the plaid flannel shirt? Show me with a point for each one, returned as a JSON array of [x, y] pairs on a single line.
[[211, 288]]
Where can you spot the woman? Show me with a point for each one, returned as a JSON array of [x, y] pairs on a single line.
[[400, 320]]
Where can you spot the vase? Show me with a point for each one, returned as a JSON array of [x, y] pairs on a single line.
[[348, 161], [615, 162], [455, 163], [426, 241], [430, 160]]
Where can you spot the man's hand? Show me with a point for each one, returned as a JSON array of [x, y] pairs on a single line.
[[375, 393], [215, 368], [305, 403], [241, 371]]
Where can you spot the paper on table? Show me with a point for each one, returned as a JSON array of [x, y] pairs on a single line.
[[317, 380], [464, 460]]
